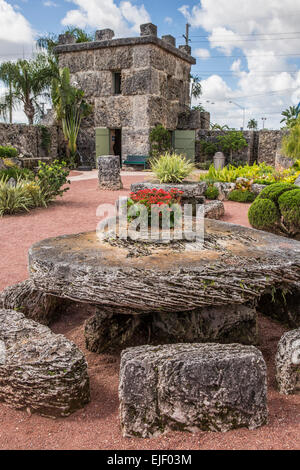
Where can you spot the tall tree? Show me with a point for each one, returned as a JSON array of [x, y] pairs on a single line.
[[289, 116], [252, 124], [29, 81], [6, 76]]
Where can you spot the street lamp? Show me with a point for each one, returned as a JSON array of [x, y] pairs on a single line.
[[263, 120], [244, 111]]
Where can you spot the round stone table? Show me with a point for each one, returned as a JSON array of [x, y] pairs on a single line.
[[183, 291]]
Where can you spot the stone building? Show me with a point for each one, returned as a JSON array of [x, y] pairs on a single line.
[[133, 84]]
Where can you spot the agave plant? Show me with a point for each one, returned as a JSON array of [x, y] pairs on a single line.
[[171, 168]]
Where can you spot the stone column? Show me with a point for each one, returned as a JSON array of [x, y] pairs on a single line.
[[109, 173]]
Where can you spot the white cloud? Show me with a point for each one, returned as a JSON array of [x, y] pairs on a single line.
[[168, 20], [241, 28], [202, 53], [124, 19], [49, 3], [16, 41]]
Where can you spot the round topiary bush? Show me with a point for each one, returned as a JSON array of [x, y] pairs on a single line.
[[274, 191], [211, 193], [241, 196], [264, 215], [289, 205]]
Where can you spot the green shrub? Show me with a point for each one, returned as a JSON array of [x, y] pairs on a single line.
[[239, 195], [171, 168], [211, 193], [160, 140], [263, 214], [274, 191], [14, 198], [289, 205], [8, 152], [17, 173], [51, 178]]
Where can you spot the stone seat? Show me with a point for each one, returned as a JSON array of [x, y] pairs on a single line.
[[39, 370], [190, 387]]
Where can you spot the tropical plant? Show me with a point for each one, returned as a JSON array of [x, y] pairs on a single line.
[[171, 168], [259, 174], [232, 141], [29, 81], [7, 103], [218, 127], [70, 107], [289, 116], [291, 143], [8, 151], [50, 41], [252, 124], [160, 141], [51, 179]]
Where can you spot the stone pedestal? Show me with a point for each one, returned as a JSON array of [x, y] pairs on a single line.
[[109, 173]]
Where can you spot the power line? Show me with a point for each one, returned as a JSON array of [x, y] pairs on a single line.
[[247, 56], [245, 40], [249, 34]]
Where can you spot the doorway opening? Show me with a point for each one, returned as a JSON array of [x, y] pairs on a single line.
[[116, 143]]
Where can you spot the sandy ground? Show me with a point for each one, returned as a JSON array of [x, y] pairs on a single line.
[[97, 425]]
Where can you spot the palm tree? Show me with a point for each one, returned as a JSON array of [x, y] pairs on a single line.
[[29, 81], [70, 107], [252, 124], [289, 116], [6, 76]]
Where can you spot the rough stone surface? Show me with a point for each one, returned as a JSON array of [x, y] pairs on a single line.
[[214, 210], [109, 173], [28, 140], [208, 387], [41, 371], [109, 329], [148, 29], [288, 363], [104, 35], [224, 190], [236, 265], [282, 162], [34, 304], [297, 182]]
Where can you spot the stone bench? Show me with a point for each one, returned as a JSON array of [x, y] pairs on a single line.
[[40, 371], [190, 387], [288, 363]]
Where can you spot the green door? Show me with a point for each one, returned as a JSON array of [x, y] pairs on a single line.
[[102, 142], [184, 142]]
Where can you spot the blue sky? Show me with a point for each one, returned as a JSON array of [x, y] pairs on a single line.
[[248, 53]]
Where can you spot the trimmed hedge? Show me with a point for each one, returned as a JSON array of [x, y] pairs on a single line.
[[263, 214], [277, 209], [8, 152]]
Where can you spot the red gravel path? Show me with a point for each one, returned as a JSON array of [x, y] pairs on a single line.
[[97, 426]]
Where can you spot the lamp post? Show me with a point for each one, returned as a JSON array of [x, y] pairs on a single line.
[[263, 120], [244, 111]]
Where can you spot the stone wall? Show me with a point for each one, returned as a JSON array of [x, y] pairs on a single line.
[[262, 145], [28, 140], [155, 85]]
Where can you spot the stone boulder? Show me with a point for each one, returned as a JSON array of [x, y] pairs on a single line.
[[281, 306], [184, 387], [224, 190], [297, 182], [192, 192], [35, 304], [214, 210], [288, 363], [40, 371], [109, 331]]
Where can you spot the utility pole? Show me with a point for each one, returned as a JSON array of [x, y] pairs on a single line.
[[244, 112], [187, 34]]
